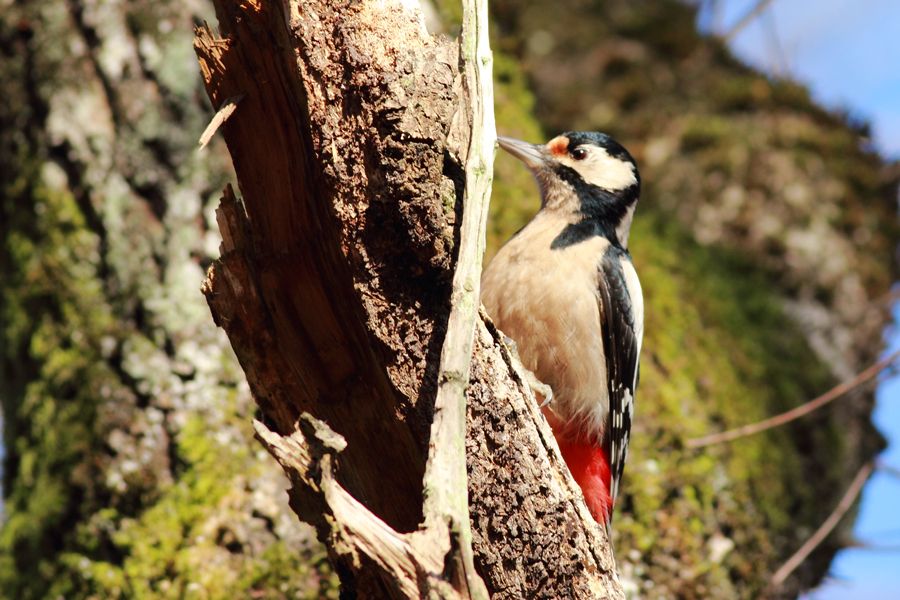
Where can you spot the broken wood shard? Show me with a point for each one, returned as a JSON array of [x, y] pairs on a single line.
[[226, 110], [308, 456]]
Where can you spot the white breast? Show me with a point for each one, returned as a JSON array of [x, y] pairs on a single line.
[[547, 301]]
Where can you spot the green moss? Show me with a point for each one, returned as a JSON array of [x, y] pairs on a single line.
[[704, 132], [66, 534], [175, 548], [788, 94], [741, 93], [183, 546], [50, 319], [450, 14]]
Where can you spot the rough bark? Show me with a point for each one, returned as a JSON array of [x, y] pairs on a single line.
[[338, 283]]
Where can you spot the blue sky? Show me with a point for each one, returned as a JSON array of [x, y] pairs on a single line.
[[865, 573], [848, 53]]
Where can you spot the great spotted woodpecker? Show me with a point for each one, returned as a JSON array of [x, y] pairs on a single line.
[[566, 292]]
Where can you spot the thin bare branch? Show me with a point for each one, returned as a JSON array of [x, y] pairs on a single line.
[[822, 532], [873, 547], [889, 469], [756, 10], [800, 411]]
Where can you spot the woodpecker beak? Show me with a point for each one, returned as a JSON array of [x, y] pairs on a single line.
[[533, 155]]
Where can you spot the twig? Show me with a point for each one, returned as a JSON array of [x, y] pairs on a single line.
[[756, 10], [781, 63], [822, 532], [889, 469], [226, 110], [873, 547], [795, 413]]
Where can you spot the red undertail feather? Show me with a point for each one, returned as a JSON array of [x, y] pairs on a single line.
[[590, 468]]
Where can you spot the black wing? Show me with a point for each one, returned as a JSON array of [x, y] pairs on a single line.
[[621, 347]]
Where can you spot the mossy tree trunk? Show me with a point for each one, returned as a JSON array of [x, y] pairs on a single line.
[[348, 286], [127, 471]]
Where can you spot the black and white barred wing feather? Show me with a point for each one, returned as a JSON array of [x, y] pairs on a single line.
[[621, 317]]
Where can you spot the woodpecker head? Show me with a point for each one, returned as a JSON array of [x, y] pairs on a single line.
[[587, 176]]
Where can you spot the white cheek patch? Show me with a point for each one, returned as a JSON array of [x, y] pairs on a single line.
[[603, 170]]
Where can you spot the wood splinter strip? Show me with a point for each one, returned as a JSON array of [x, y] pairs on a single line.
[[226, 110]]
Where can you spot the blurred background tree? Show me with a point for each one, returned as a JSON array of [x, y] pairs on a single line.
[[764, 238], [130, 467]]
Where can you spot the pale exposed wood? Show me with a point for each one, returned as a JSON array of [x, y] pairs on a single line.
[[446, 501], [308, 456], [226, 110]]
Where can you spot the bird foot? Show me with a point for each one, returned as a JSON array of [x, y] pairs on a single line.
[[539, 388]]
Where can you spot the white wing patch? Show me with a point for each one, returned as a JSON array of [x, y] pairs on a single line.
[[623, 315], [633, 284]]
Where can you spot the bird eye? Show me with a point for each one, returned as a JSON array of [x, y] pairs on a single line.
[[579, 153]]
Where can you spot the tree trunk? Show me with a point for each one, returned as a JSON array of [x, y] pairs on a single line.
[[348, 287]]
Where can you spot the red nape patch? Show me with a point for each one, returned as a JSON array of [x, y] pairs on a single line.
[[558, 146], [590, 468]]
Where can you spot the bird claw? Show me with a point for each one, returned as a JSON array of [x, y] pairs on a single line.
[[539, 388]]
